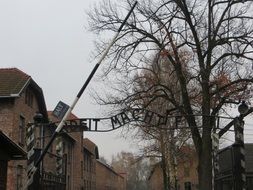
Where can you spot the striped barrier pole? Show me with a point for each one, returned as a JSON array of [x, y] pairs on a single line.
[[61, 124], [240, 173], [215, 149]]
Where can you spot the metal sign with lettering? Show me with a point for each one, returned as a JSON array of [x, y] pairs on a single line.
[[60, 110], [140, 115], [114, 122]]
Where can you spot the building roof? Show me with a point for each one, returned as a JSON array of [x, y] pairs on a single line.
[[55, 119], [12, 82], [110, 168], [186, 153], [226, 161], [156, 165], [91, 147], [10, 148]]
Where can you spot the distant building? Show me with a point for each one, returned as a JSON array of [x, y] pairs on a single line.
[[156, 178], [187, 177], [225, 178], [90, 154], [20, 99], [107, 178]]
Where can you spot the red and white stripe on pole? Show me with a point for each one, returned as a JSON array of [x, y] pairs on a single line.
[[239, 140]]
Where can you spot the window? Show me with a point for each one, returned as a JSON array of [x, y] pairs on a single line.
[[19, 177], [3, 174], [81, 169], [187, 185], [93, 186], [186, 170], [69, 182], [21, 131], [84, 159], [89, 185], [88, 164], [29, 97], [69, 153]]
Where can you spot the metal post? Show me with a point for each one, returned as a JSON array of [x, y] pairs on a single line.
[[239, 156], [215, 149]]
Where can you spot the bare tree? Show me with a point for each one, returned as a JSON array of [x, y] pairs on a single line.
[[217, 37], [136, 170], [164, 139]]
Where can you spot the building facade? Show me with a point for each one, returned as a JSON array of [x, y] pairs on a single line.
[[68, 153], [20, 99], [156, 178], [187, 176], [107, 178], [90, 155], [71, 161], [227, 177]]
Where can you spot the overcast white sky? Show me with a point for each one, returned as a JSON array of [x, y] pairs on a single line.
[[49, 40]]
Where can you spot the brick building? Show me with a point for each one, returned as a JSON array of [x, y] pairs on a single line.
[[90, 154], [68, 148], [156, 178], [83, 169], [107, 178], [187, 176], [56, 169], [187, 169], [70, 163], [20, 99]]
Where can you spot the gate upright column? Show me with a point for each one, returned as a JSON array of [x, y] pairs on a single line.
[[239, 156]]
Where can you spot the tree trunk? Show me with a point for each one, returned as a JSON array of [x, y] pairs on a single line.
[[165, 175], [205, 165], [172, 162]]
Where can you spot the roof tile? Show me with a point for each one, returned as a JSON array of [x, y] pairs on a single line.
[[12, 81]]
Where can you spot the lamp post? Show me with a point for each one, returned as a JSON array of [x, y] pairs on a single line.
[[32, 149], [239, 149]]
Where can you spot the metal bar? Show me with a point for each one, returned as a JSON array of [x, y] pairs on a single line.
[[105, 53], [60, 126], [231, 123]]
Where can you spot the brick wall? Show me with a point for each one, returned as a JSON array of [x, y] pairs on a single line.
[[74, 156], [107, 178], [78, 158], [10, 111], [6, 116], [186, 172], [156, 179]]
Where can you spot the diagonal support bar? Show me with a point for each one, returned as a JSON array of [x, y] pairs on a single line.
[[231, 123], [61, 124]]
